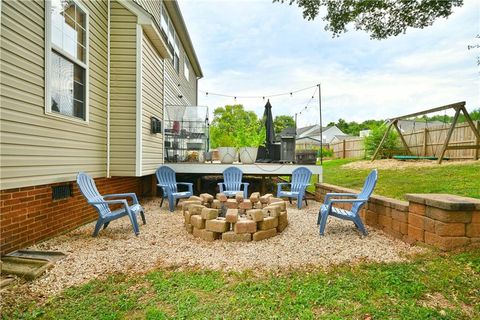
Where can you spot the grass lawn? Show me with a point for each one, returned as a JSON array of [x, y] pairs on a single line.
[[463, 179], [432, 286]]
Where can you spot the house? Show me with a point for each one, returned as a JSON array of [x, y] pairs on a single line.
[[364, 133], [413, 125], [308, 137], [340, 138], [81, 83]]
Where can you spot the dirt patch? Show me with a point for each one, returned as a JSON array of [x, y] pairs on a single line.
[[392, 164]]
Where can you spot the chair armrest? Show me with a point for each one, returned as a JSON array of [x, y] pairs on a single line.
[[189, 184], [329, 195], [118, 201], [245, 184], [220, 186], [185, 183], [118, 195], [347, 200], [279, 186], [283, 183], [332, 201]]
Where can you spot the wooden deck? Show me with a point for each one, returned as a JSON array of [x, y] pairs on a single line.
[[256, 169]]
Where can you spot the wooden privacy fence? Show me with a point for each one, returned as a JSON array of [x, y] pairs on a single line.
[[424, 142], [351, 148]]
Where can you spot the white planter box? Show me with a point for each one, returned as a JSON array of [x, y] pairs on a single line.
[[227, 154], [248, 155]]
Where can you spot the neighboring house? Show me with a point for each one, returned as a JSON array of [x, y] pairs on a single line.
[[308, 137], [411, 125], [80, 82], [364, 133], [340, 138]]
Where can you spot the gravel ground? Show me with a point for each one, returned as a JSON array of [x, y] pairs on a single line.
[[164, 242], [392, 164]]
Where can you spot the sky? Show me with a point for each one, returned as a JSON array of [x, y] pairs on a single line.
[[260, 48]]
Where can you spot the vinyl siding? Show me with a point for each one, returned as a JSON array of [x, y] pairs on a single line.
[[122, 91], [188, 89], [37, 148], [177, 84], [153, 7], [152, 105]]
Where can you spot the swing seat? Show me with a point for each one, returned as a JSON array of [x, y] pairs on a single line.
[[404, 158]]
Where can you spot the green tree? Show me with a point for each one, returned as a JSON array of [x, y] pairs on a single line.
[[233, 126], [380, 18], [282, 122], [390, 146]]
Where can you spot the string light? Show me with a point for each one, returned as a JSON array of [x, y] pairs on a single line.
[[208, 93], [310, 101]]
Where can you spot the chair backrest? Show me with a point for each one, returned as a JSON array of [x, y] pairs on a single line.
[[367, 190], [300, 177], [166, 176], [232, 178], [89, 190]]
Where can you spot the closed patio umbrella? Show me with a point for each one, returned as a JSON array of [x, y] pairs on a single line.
[[270, 130]]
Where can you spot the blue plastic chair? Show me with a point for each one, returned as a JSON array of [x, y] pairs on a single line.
[[300, 181], [327, 209], [232, 183], [89, 190], [168, 182]]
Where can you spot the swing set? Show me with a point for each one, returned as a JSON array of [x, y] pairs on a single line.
[[458, 107]]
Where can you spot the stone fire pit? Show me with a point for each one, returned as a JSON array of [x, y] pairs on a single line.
[[239, 219]]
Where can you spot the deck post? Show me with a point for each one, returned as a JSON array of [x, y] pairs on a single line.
[[154, 185], [199, 184]]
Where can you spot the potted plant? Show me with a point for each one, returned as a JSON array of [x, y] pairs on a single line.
[[250, 136], [227, 152]]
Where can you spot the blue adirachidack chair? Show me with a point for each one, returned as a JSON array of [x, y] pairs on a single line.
[[168, 182], [101, 204], [232, 182], [300, 181], [357, 201]]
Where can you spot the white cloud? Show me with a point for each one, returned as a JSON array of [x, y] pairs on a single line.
[[259, 48]]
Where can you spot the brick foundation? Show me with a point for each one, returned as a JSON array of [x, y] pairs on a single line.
[[441, 220], [28, 215]]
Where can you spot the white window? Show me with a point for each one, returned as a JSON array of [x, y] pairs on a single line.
[[186, 69], [66, 59], [164, 21], [176, 54], [171, 37]]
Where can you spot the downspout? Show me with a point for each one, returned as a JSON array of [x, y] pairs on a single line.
[[108, 90], [163, 114]]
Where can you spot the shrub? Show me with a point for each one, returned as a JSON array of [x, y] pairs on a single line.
[[390, 146], [326, 153]]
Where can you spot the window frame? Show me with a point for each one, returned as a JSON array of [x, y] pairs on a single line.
[[186, 66], [49, 47], [171, 38]]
